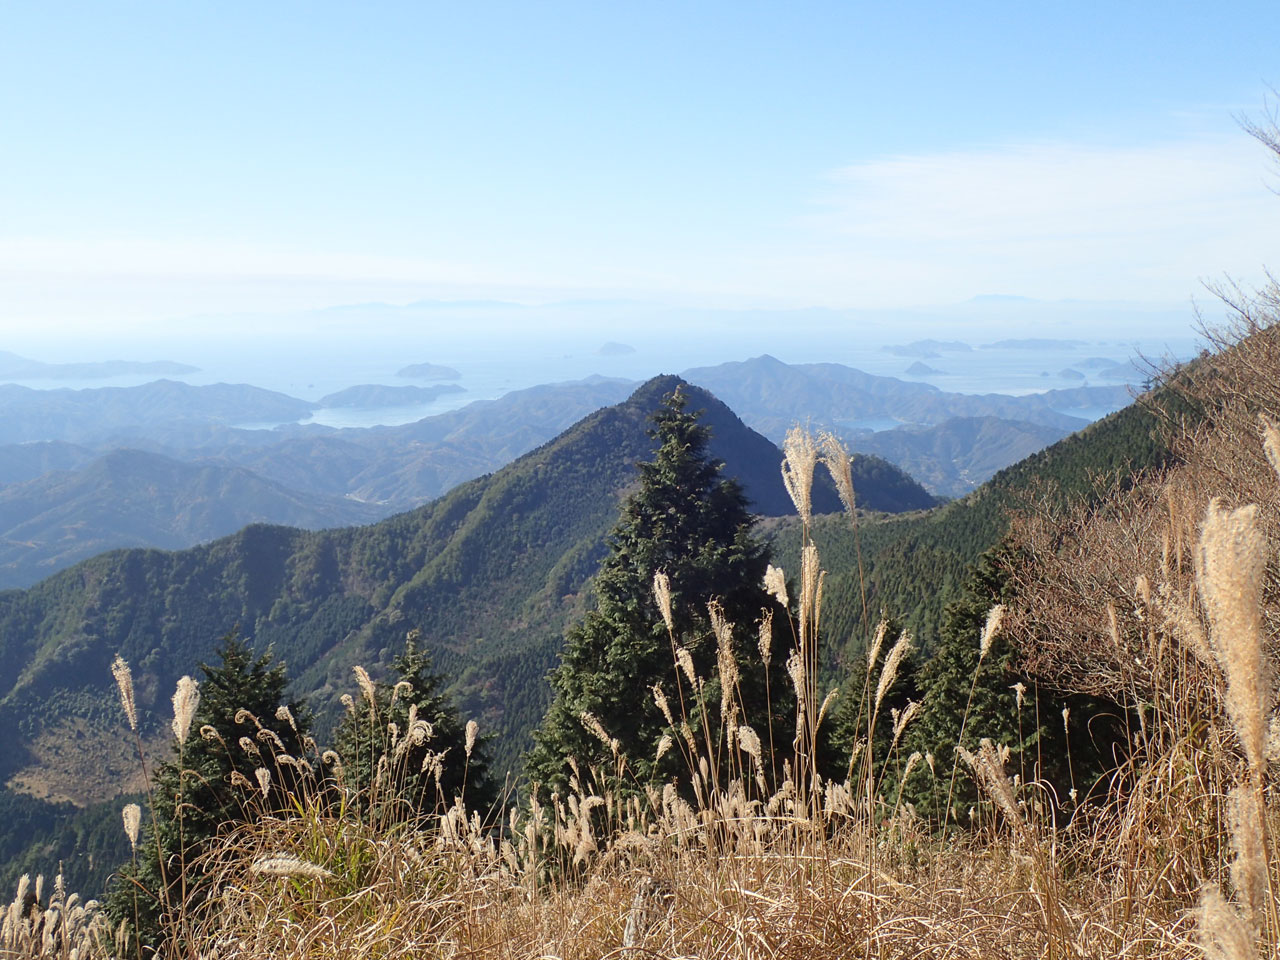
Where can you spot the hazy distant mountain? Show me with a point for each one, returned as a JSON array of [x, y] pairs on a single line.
[[14, 367], [100, 413], [429, 371], [921, 369], [370, 395], [954, 457], [26, 461], [1034, 343], [130, 499], [615, 349], [772, 395], [928, 349]]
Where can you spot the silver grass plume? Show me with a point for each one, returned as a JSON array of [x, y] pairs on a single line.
[[283, 865], [1223, 934], [726, 662], [185, 700], [995, 616], [660, 699], [365, 684], [765, 641], [1230, 565], [1249, 868], [596, 728], [1271, 442], [686, 664], [811, 576], [775, 584], [829, 699], [264, 779], [901, 719], [285, 714], [403, 686], [124, 680], [800, 456], [988, 766], [836, 457], [891, 663], [131, 814], [873, 651], [473, 730], [662, 593]]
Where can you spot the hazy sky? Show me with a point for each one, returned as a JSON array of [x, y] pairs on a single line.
[[168, 160]]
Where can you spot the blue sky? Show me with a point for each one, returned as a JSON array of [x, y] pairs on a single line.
[[160, 161]]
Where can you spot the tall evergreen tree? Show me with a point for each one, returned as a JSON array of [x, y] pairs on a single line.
[[400, 776], [238, 728], [688, 522]]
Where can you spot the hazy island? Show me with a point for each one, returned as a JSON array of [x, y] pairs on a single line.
[[428, 371], [369, 395], [615, 349], [15, 367], [927, 349]]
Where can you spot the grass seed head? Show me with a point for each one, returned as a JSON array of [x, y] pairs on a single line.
[[124, 681], [1230, 565], [131, 814], [185, 700], [799, 457]]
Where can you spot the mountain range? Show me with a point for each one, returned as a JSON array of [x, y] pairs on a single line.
[[313, 476], [490, 574]]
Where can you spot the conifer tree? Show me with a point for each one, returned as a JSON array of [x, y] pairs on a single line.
[[241, 724], [398, 769], [688, 522]]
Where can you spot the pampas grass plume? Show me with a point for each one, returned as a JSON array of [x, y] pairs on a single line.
[[1223, 934], [836, 457], [185, 700], [775, 583], [891, 664], [995, 616], [800, 456], [1230, 564], [131, 814], [124, 680], [662, 593]]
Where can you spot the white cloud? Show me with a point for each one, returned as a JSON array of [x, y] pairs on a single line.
[[1053, 219]]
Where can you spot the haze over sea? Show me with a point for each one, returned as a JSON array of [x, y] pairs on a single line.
[[497, 348]]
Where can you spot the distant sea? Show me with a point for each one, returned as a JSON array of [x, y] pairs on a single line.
[[490, 369]]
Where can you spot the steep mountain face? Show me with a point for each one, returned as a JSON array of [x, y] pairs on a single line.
[[129, 498]]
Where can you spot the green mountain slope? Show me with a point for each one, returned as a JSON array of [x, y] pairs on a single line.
[[131, 498]]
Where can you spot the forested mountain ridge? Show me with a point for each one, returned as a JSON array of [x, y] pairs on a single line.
[[133, 498], [488, 573]]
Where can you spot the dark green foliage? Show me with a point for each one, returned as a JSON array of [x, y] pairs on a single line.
[[689, 522], [966, 698], [41, 837], [412, 784], [194, 797]]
